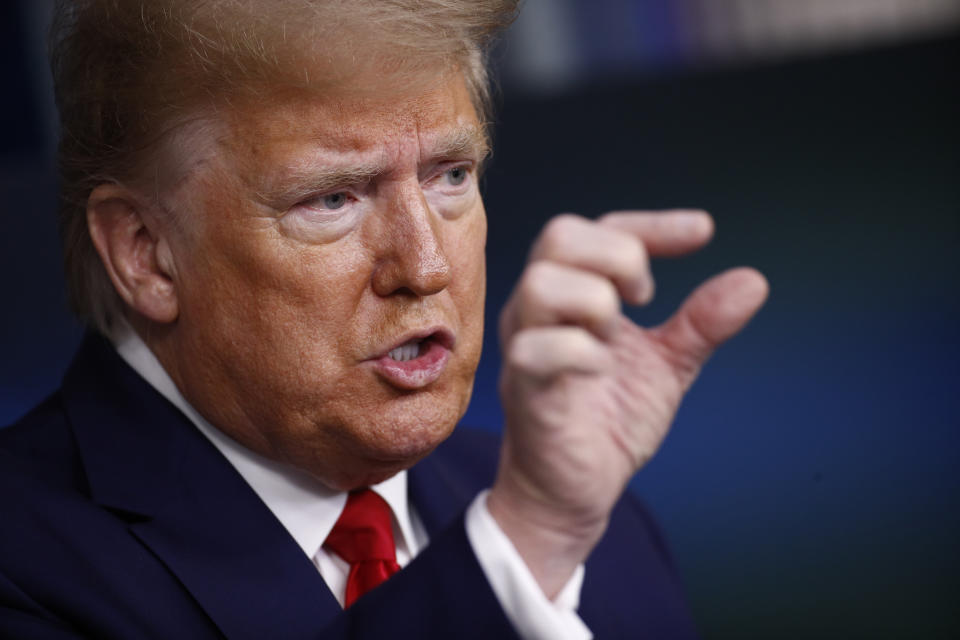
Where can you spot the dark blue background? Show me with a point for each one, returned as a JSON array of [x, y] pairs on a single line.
[[811, 485]]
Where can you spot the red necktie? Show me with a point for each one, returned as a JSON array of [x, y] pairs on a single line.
[[363, 536]]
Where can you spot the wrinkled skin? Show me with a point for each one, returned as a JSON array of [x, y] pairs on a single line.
[[589, 396], [312, 235], [319, 233]]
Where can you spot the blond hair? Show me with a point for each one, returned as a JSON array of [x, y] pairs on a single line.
[[127, 73]]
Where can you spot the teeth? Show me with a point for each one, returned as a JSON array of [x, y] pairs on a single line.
[[406, 352]]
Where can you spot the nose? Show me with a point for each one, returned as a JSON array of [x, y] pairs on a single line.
[[413, 260]]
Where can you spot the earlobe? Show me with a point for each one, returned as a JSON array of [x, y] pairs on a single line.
[[136, 256]]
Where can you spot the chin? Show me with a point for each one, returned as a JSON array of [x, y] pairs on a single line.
[[388, 435], [406, 441], [375, 466], [412, 421]]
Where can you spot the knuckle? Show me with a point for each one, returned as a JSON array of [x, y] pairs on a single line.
[[520, 352], [536, 279], [564, 221], [615, 218], [609, 216], [560, 231]]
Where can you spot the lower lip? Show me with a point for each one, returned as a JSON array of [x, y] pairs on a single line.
[[414, 374]]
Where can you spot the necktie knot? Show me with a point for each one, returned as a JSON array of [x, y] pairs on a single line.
[[363, 537]]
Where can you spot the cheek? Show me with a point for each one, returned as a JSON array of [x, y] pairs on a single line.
[[466, 240], [274, 308], [469, 285], [268, 274], [470, 253]]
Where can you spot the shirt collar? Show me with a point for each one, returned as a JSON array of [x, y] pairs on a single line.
[[304, 506]]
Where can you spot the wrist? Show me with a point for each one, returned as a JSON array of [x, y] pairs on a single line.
[[551, 541]]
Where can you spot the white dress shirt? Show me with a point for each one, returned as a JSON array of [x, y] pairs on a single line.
[[308, 510]]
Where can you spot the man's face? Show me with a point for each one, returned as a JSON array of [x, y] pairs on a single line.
[[330, 278]]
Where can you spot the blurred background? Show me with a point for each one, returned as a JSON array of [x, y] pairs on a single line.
[[811, 485]]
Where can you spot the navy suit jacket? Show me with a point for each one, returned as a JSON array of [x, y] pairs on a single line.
[[121, 520]]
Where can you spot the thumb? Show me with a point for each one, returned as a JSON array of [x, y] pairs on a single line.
[[713, 313]]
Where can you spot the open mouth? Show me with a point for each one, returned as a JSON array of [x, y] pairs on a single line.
[[408, 351], [417, 346], [417, 362]]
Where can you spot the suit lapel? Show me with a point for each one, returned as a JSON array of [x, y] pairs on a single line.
[[184, 502], [243, 568]]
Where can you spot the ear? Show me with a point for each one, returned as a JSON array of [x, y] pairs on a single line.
[[136, 255]]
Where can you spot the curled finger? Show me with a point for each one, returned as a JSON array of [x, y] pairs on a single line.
[[547, 352], [605, 250], [554, 294]]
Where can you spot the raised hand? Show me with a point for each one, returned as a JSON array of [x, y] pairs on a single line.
[[588, 395]]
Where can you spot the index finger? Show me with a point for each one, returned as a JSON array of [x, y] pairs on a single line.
[[673, 232]]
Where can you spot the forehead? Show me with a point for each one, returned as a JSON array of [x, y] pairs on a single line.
[[436, 113]]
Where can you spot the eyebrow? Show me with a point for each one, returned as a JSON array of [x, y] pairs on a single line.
[[470, 142], [316, 174], [303, 179]]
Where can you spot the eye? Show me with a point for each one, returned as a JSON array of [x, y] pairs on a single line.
[[327, 203], [333, 200], [456, 176]]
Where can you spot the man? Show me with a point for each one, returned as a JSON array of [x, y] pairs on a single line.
[[271, 214]]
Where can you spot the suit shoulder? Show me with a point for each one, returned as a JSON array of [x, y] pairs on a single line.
[[42, 443]]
